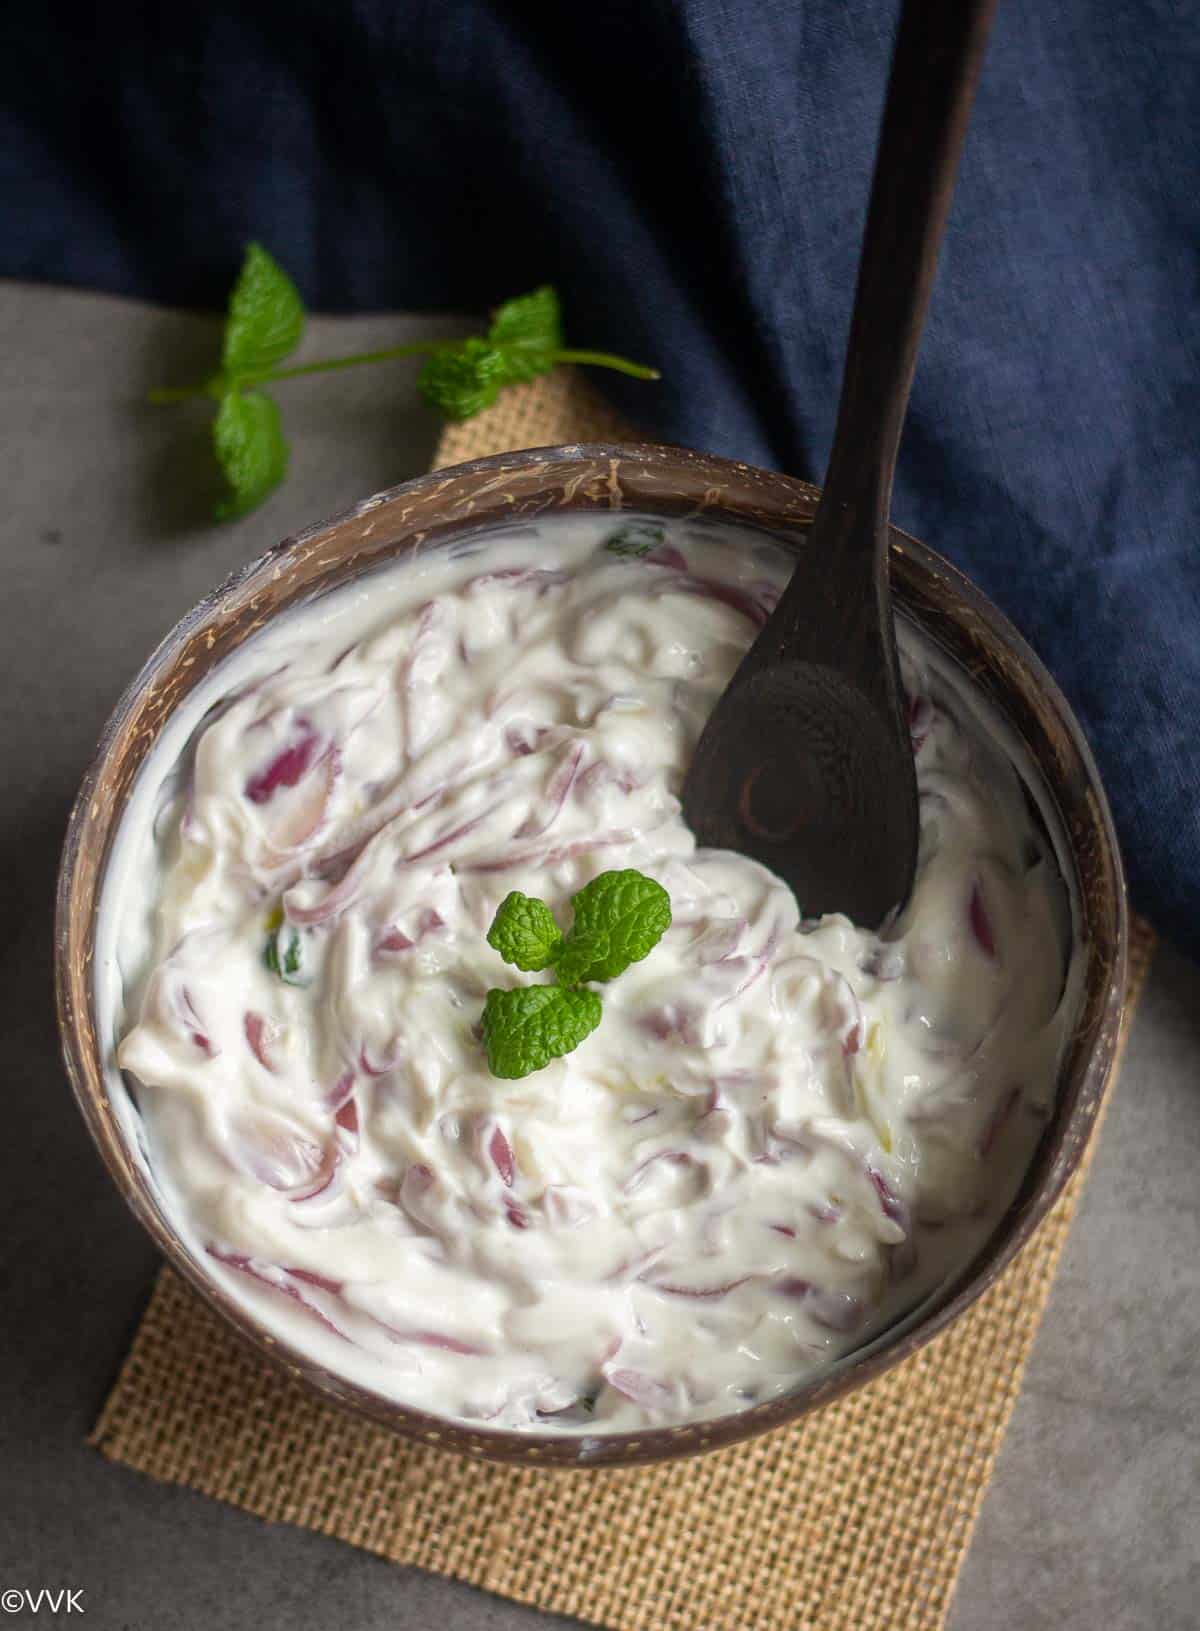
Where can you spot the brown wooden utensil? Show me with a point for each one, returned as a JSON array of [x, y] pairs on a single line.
[[806, 762]]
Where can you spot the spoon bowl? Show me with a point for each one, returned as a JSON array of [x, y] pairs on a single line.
[[786, 770]]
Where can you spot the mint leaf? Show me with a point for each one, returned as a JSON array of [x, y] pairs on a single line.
[[524, 932], [619, 918], [635, 538], [525, 1029], [266, 316], [250, 448], [528, 330], [462, 380]]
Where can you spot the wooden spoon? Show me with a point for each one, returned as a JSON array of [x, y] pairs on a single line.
[[806, 763]]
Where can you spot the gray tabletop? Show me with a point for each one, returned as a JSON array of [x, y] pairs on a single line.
[[1093, 1518]]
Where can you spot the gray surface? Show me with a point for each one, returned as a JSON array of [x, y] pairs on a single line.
[[1092, 1520]]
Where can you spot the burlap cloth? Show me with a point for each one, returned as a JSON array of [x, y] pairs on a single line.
[[856, 1518]]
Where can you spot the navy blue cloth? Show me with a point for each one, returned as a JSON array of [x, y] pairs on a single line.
[[692, 175]]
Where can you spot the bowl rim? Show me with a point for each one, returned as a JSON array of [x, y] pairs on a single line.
[[1059, 1152]]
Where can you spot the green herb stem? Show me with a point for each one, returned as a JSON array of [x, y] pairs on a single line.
[[429, 348], [393, 353], [605, 359], [417, 348]]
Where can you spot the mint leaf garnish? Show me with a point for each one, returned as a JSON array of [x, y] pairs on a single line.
[[524, 932], [528, 330], [250, 449], [461, 380], [619, 918], [525, 1029], [635, 538], [266, 316]]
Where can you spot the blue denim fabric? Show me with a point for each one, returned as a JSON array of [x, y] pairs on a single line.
[[693, 176]]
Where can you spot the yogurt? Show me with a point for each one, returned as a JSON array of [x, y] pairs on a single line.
[[783, 1134]]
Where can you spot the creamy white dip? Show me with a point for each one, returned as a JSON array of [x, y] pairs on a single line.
[[783, 1133]]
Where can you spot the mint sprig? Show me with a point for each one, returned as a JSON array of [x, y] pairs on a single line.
[[265, 323], [619, 918]]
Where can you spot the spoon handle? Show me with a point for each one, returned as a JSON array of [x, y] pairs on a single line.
[[938, 53]]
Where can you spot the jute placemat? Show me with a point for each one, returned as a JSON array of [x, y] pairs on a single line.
[[854, 1520]]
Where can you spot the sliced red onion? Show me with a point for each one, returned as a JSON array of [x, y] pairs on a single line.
[[390, 1061], [446, 838], [642, 1389], [540, 579], [323, 1179], [632, 1267], [321, 1281], [893, 1207], [674, 1020], [920, 721], [430, 1339], [301, 823], [903, 1255], [566, 1206], [837, 1311], [346, 1120], [834, 1310], [548, 855], [673, 1288], [394, 941], [720, 942], [673, 1158], [640, 1116], [522, 737], [287, 767], [557, 791], [276, 1154], [980, 921], [501, 1155], [666, 555], [278, 1279], [335, 899], [340, 1091], [261, 1033], [175, 1001]]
